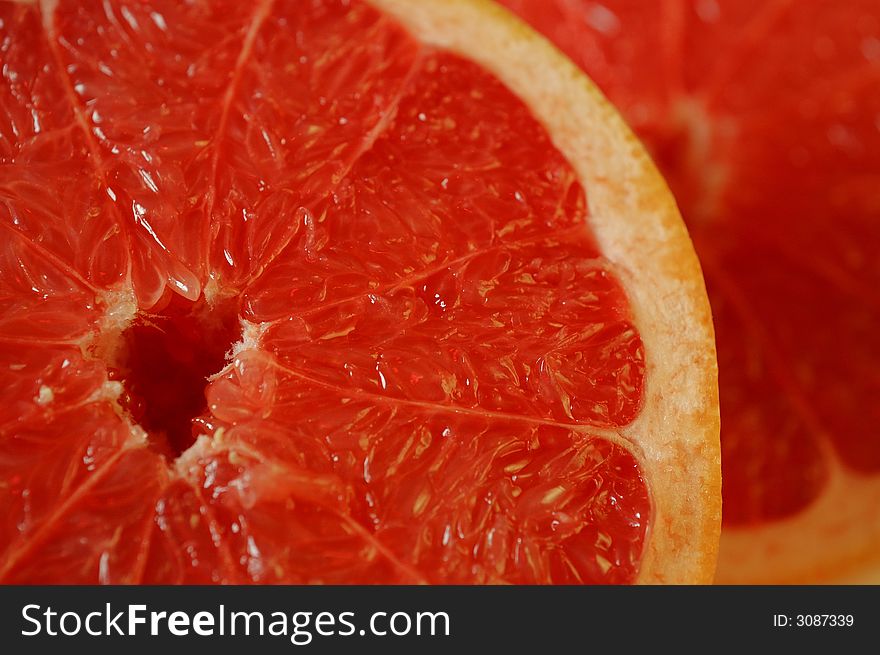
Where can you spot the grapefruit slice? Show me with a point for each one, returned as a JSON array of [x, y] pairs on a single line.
[[339, 292], [763, 116]]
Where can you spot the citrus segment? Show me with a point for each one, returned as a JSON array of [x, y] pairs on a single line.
[[458, 496], [479, 173], [343, 307], [35, 513], [42, 299], [45, 147], [112, 507]]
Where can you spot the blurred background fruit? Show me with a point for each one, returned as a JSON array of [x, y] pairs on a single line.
[[764, 116]]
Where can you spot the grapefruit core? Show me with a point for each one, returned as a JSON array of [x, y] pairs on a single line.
[[338, 292]]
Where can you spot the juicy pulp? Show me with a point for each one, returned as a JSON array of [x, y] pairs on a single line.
[[427, 353]]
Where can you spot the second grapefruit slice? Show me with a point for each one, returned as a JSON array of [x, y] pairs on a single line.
[[763, 117]]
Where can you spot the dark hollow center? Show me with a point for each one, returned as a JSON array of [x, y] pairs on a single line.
[[165, 363]]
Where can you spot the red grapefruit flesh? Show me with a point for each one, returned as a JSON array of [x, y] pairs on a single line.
[[765, 119], [421, 364]]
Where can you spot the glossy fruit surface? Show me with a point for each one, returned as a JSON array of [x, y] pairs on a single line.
[[420, 360]]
